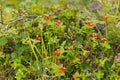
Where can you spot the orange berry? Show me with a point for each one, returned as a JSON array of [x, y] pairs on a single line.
[[44, 52], [68, 48], [37, 36], [74, 41], [103, 39], [105, 18], [61, 69], [57, 23], [77, 77], [94, 35], [89, 22], [64, 68], [57, 52], [47, 17]]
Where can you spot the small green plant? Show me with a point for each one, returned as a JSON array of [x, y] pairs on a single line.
[[59, 41]]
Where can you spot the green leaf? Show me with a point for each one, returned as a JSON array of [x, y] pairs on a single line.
[[3, 41], [106, 45], [99, 74], [62, 49], [14, 55], [55, 70], [20, 48], [107, 65], [84, 66], [83, 76], [84, 53], [102, 62], [20, 74]]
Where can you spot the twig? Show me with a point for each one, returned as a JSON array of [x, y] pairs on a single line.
[[20, 18], [14, 21]]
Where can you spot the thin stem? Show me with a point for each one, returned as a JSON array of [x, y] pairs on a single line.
[[117, 7], [38, 52], [32, 47], [1, 11], [42, 42], [98, 30], [106, 29]]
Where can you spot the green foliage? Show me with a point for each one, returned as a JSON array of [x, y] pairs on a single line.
[[59, 39]]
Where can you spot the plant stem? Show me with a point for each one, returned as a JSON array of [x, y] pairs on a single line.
[[32, 47], [117, 7], [1, 11], [38, 52]]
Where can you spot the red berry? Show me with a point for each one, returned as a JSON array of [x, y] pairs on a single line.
[[74, 41], [57, 23], [103, 39], [57, 52], [89, 22], [68, 48], [64, 68], [61, 69], [37, 36], [105, 18], [77, 77], [47, 17], [94, 35]]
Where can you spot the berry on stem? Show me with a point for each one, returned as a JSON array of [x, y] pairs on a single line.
[[94, 35], [47, 17], [105, 18], [74, 41], [57, 52], [90, 23], [62, 69], [103, 39], [77, 77], [38, 37], [57, 23], [68, 48]]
